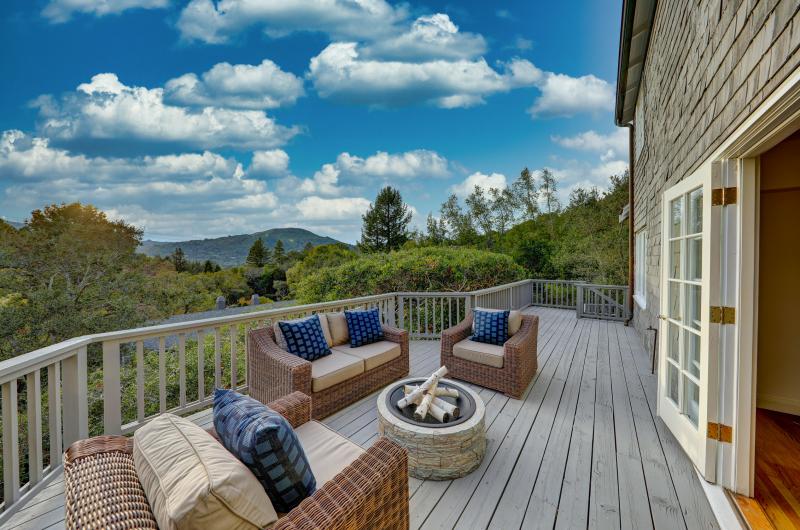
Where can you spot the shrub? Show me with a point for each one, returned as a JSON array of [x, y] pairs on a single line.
[[418, 269]]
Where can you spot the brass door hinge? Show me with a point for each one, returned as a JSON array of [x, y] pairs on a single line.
[[723, 196], [721, 432], [722, 315]]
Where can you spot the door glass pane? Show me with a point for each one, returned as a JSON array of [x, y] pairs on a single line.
[[675, 259], [695, 223], [672, 382], [675, 301], [692, 354], [673, 345], [691, 399], [695, 259], [676, 216], [693, 306]]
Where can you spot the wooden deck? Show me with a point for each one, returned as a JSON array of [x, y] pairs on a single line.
[[583, 449]]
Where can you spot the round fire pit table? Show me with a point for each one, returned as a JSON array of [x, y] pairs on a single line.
[[438, 451]]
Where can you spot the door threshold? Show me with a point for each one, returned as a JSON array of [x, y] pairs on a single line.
[[752, 512], [722, 505]]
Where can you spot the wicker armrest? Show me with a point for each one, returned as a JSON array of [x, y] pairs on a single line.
[[394, 334], [457, 333], [273, 372], [296, 408], [526, 335], [372, 492]]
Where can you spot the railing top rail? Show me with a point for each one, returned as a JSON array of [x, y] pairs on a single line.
[[499, 287], [433, 294], [603, 286]]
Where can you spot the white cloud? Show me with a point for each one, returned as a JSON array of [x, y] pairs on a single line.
[[616, 142], [504, 13], [340, 73], [419, 163], [482, 180], [563, 95], [262, 86], [204, 21], [105, 108], [58, 11], [429, 37], [523, 44], [274, 162], [318, 208]]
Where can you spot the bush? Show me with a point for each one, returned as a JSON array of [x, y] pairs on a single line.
[[419, 269]]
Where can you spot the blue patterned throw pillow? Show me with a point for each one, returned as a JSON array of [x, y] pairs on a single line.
[[265, 442], [304, 338], [490, 327], [364, 326]]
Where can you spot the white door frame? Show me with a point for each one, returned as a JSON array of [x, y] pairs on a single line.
[[772, 122]]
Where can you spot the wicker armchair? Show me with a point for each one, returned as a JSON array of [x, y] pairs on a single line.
[[519, 358], [273, 372], [103, 491]]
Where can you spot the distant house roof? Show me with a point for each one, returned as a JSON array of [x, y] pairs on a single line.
[[637, 21]]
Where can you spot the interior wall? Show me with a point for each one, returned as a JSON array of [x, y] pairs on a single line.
[[778, 384]]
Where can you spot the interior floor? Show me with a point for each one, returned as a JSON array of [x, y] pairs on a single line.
[[777, 474]]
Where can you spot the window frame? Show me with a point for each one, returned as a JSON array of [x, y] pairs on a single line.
[[640, 268]]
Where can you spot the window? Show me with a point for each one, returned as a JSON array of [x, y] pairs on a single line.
[[640, 269]]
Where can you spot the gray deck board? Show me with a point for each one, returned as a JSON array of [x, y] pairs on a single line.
[[583, 448]]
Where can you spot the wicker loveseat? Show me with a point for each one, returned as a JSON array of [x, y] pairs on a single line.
[[273, 372], [508, 368], [102, 489]]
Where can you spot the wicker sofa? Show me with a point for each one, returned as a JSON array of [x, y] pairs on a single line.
[[102, 489], [508, 368], [273, 372]]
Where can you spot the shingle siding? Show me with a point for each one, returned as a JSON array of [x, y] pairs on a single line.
[[709, 65]]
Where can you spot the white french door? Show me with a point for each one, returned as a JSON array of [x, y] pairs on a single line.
[[687, 393]]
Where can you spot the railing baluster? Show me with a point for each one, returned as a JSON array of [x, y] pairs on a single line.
[[34, 389], [140, 380], [234, 329], [54, 412], [10, 443], [217, 357], [75, 397], [182, 369], [162, 374], [201, 365], [112, 406]]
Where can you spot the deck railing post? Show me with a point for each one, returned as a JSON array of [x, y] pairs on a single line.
[[579, 301], [10, 443], [75, 397], [112, 406]]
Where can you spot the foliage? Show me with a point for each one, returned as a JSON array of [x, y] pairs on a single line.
[[318, 258], [257, 255], [416, 269], [386, 222], [178, 259]]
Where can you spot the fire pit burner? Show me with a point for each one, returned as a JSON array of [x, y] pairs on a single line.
[[465, 402]]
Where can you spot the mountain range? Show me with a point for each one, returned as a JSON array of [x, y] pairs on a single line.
[[232, 250]]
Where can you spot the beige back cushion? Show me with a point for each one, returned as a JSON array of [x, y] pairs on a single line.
[[192, 481], [280, 341], [514, 320], [338, 328]]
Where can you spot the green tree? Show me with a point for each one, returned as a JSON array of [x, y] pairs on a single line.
[[460, 226], [208, 266], [436, 230], [526, 195], [386, 222], [278, 254], [178, 259], [549, 191], [318, 258], [256, 254]]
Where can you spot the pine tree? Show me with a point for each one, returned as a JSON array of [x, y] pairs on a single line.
[[178, 259], [208, 266], [386, 222], [278, 254], [256, 254]]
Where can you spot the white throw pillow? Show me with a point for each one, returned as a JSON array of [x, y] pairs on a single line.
[[193, 482]]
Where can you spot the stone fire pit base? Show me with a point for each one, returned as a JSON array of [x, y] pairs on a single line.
[[437, 453]]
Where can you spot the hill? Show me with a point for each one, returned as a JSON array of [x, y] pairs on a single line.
[[232, 250], [15, 224]]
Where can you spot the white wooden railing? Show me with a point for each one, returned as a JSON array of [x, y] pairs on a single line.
[[112, 383]]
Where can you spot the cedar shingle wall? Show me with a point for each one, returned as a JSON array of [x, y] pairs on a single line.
[[709, 64]]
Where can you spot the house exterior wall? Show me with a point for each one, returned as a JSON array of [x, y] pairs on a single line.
[[709, 65]]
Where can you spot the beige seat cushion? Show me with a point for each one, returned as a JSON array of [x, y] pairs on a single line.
[[333, 369], [337, 324], [192, 481], [328, 452], [479, 352], [374, 354], [280, 341], [514, 320]]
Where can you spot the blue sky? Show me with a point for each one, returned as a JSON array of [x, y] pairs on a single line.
[[198, 119]]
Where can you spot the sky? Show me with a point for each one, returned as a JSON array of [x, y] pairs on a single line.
[[201, 118]]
